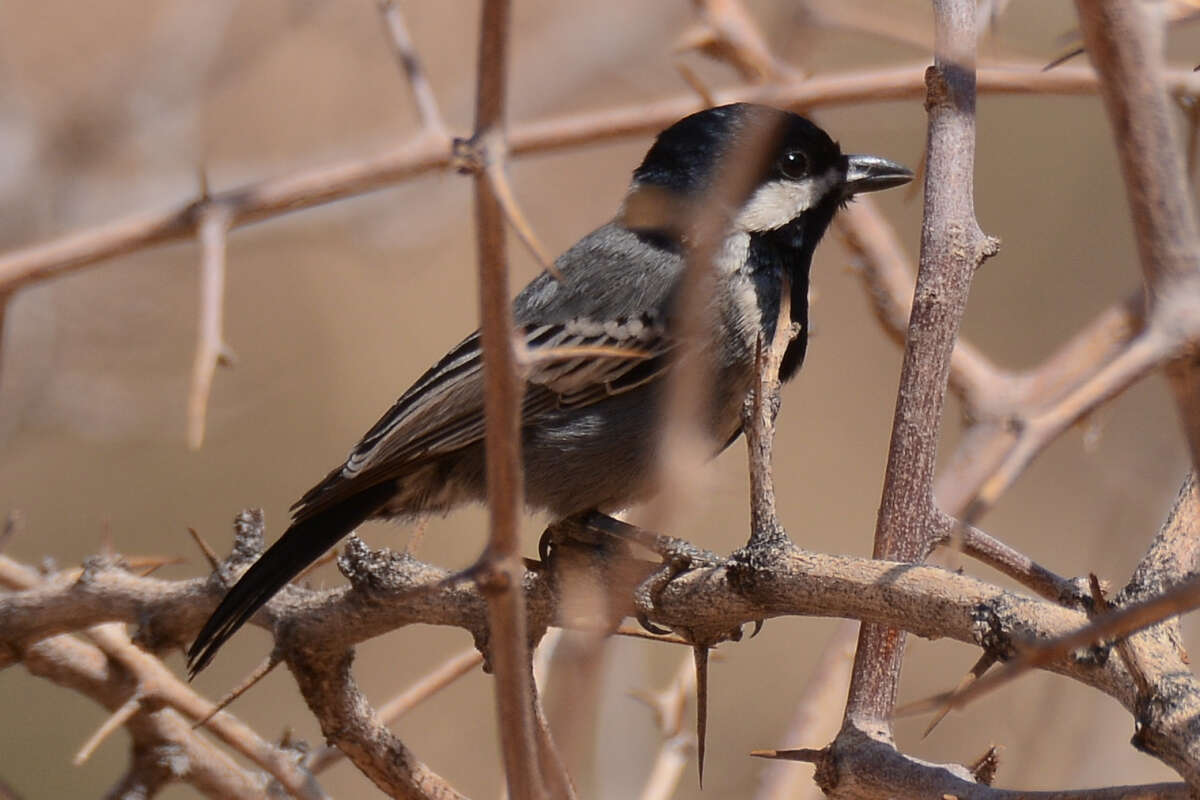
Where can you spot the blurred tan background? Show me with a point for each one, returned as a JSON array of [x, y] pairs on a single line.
[[109, 109]]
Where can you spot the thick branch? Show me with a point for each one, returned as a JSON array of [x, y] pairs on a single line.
[[392, 590], [952, 246], [1169, 697], [1166, 694], [347, 720]]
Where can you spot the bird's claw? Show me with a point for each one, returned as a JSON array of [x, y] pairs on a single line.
[[666, 547], [648, 593], [649, 626]]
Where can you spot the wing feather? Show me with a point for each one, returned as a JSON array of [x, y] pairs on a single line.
[[567, 365]]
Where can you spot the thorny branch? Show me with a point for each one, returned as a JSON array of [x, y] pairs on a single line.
[[441, 677], [261, 200], [1167, 695], [952, 247], [313, 627]]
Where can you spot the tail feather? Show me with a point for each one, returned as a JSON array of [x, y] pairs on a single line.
[[302, 544]]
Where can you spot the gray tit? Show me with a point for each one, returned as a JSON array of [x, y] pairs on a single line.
[[590, 417]]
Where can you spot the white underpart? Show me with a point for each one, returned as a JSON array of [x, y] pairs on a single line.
[[777, 203], [739, 292], [733, 253]]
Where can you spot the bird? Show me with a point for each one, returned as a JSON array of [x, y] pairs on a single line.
[[600, 332]]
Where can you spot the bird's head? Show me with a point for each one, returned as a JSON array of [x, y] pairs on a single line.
[[768, 170]]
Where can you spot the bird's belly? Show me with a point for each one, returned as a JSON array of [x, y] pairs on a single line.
[[605, 456], [601, 456]]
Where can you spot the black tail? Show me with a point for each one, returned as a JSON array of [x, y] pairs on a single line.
[[301, 544]]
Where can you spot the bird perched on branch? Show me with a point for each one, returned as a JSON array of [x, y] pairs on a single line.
[[599, 339]]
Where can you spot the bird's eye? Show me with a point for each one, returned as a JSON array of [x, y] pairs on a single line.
[[794, 164]]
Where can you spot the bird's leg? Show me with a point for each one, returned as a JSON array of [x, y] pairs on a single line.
[[667, 547], [571, 530], [648, 592]]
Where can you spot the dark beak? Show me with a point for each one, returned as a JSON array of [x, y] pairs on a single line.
[[872, 173]]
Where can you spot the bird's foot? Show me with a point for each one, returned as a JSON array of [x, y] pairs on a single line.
[[646, 596], [678, 556]]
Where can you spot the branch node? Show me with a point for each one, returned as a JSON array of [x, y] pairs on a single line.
[[937, 93], [467, 155], [364, 567], [96, 565], [249, 538], [985, 767], [987, 628], [989, 246]]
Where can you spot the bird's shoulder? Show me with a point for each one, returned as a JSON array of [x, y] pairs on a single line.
[[610, 274]]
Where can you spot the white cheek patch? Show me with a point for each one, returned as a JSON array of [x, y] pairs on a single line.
[[777, 203]]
